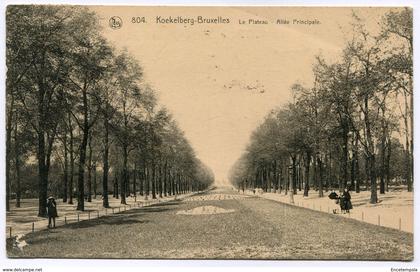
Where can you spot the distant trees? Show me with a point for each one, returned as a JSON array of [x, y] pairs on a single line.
[[343, 131], [76, 107]]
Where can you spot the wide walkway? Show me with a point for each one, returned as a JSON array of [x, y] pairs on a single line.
[[224, 225]]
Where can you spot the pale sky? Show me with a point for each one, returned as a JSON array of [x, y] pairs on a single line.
[[219, 81]]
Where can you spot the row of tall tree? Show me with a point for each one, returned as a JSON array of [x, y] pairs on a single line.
[[352, 127], [79, 111]]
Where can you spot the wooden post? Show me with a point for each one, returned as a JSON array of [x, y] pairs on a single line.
[[33, 226], [10, 232]]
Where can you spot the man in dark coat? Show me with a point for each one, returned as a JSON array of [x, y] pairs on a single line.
[[51, 211]]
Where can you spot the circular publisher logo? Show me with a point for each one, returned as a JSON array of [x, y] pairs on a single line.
[[115, 22]]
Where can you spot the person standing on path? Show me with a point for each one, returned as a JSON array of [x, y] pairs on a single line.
[[347, 200], [51, 211]]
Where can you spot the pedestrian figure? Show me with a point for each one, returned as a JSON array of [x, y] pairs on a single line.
[[334, 196], [51, 211], [347, 206]]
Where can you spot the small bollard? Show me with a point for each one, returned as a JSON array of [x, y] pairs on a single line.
[[65, 220], [88, 215], [399, 224], [10, 232], [78, 217], [379, 220], [33, 226]]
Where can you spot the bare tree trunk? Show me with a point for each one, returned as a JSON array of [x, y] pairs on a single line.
[[294, 176], [71, 160], [291, 177], [408, 147], [173, 183], [147, 180], [65, 168], [135, 180], [165, 179], [160, 180], [178, 184], [82, 155], [280, 177], [95, 191], [43, 176], [370, 154], [17, 164], [124, 174], [142, 180], [89, 168], [307, 168], [315, 171], [344, 158], [116, 186], [356, 164], [105, 201], [274, 177], [321, 178], [299, 175], [387, 163], [169, 183], [153, 180], [8, 151]]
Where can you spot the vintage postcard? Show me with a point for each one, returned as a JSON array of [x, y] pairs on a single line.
[[181, 132]]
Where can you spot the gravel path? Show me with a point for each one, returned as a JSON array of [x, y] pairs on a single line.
[[256, 229]]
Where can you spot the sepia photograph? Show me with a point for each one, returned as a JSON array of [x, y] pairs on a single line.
[[209, 133]]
